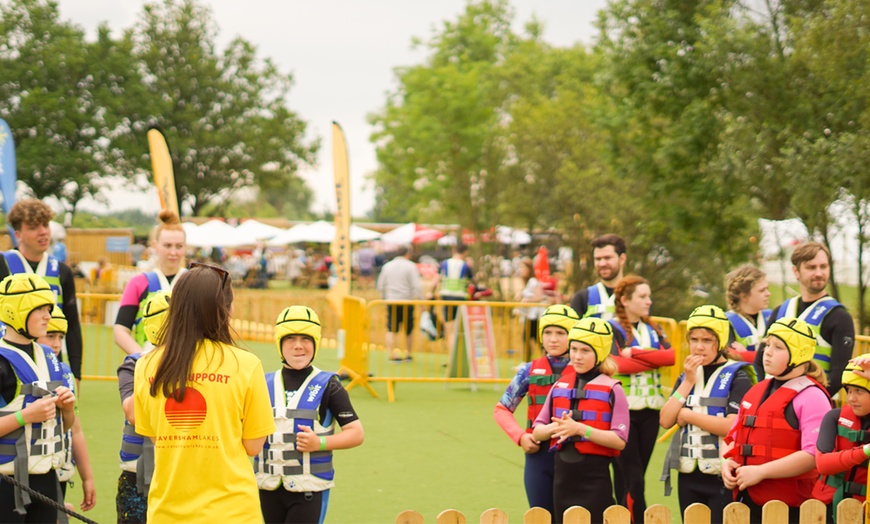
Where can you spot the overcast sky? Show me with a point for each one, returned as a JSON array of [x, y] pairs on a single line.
[[342, 54]]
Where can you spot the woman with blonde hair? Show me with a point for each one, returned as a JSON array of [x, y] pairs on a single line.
[[748, 296], [639, 349], [205, 405]]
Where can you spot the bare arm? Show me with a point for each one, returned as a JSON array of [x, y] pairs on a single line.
[[351, 435], [792, 465], [124, 339], [254, 445], [83, 465], [129, 413]]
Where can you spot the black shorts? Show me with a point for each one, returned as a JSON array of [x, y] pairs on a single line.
[[400, 314], [450, 312]]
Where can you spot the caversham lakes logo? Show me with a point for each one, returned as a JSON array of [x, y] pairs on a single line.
[[188, 414]]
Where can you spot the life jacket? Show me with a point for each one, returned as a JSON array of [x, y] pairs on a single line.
[[590, 405], [692, 447], [48, 268], [137, 452], [156, 282], [642, 390], [763, 434], [279, 462], [453, 284], [851, 483], [600, 303], [747, 333], [68, 466], [35, 448], [541, 380], [813, 315]]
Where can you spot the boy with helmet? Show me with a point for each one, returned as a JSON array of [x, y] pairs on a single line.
[[704, 402], [137, 452], [772, 445], [843, 446], [31, 391], [586, 419], [75, 446], [535, 379], [294, 471]]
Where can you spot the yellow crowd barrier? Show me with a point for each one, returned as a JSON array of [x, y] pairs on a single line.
[[849, 511]]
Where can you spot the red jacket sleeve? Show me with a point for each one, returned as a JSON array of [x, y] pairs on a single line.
[[630, 365], [837, 461], [747, 356], [654, 359]]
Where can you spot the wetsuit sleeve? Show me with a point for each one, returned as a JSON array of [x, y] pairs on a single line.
[[125, 378], [839, 329], [810, 406], [654, 359], [510, 400], [828, 461], [70, 309], [544, 415], [337, 401], [626, 365], [739, 386], [619, 422], [134, 292], [7, 381], [580, 301]]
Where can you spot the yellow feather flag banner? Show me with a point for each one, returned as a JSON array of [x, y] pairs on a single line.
[[161, 165], [340, 247]]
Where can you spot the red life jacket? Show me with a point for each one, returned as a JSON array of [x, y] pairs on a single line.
[[851, 483], [541, 380], [591, 405], [763, 434]]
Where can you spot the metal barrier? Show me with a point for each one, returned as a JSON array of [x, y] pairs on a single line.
[[382, 353]]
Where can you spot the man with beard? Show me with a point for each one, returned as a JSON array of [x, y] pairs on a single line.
[[608, 255], [831, 323]]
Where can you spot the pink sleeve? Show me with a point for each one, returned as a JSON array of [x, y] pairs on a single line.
[[544, 415], [508, 423], [619, 422], [810, 406], [133, 290]]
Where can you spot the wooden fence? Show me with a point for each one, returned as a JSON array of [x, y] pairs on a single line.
[[849, 511]]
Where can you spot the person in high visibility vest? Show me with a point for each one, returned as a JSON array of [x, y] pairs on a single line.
[[168, 242], [76, 456], [295, 469], [608, 257], [704, 402], [454, 277], [639, 349], [534, 380], [585, 418], [35, 407], [770, 451], [748, 295], [843, 447], [831, 323]]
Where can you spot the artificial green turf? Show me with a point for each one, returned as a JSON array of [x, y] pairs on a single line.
[[436, 447]]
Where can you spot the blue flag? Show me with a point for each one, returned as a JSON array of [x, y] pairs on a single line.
[[8, 173]]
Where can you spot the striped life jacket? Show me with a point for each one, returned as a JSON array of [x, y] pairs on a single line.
[[600, 303], [68, 467], [48, 268], [541, 380], [747, 333], [813, 315], [642, 390], [156, 282], [851, 483], [279, 462], [590, 405]]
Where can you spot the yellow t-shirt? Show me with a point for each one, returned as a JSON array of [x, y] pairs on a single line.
[[201, 470]]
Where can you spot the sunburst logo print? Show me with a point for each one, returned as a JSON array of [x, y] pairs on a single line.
[[187, 414]]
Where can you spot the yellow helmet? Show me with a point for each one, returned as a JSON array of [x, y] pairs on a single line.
[[20, 294], [712, 318], [798, 337], [58, 323], [154, 314], [297, 320], [851, 379], [562, 316], [594, 332]]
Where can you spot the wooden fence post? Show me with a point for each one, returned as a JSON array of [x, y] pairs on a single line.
[[537, 516], [812, 511], [657, 514], [735, 513], [617, 515], [774, 512], [450, 516], [850, 511], [493, 516], [409, 516], [576, 515], [697, 513]]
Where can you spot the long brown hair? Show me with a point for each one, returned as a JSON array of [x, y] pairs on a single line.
[[199, 310], [626, 288]]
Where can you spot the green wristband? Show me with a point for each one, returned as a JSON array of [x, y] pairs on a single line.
[[679, 397], [588, 432], [322, 443], [20, 418], [867, 450]]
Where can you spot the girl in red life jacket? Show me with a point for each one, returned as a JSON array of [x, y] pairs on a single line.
[[844, 443], [585, 417], [772, 445], [639, 349], [535, 379]]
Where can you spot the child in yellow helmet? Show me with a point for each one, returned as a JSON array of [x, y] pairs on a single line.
[[586, 421], [770, 451], [75, 445], [294, 471]]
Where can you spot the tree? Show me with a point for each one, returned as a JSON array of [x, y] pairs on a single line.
[[225, 115]]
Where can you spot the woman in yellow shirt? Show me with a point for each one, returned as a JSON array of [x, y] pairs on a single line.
[[205, 405]]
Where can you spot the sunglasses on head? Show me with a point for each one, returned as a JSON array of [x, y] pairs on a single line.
[[224, 274]]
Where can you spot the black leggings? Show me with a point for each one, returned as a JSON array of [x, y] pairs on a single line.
[[290, 507], [37, 512], [538, 478], [630, 466], [706, 489]]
